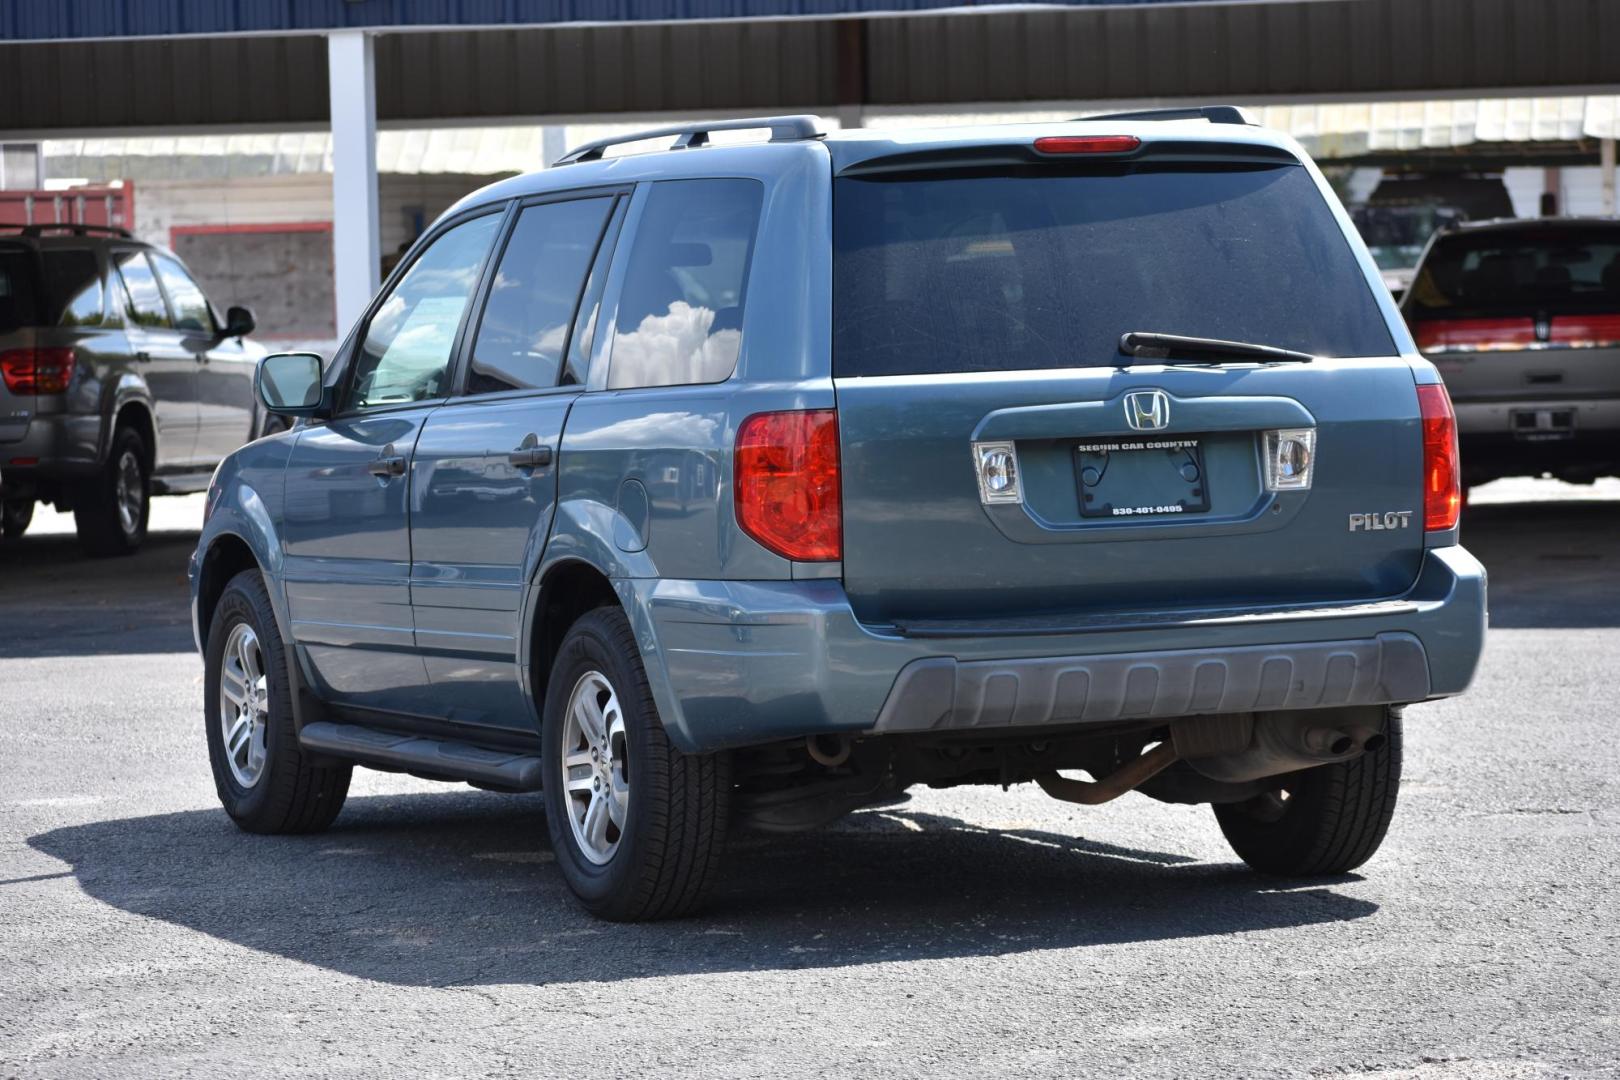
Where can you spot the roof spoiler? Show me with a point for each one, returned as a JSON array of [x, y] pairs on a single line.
[[1215, 114]]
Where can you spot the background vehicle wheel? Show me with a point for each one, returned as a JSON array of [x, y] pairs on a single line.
[[1326, 820], [636, 825], [265, 780], [15, 514], [110, 512], [274, 424]]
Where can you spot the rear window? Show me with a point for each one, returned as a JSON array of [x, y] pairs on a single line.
[[1519, 270], [1040, 270]]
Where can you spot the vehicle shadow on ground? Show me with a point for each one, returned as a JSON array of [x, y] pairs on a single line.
[[1551, 564], [460, 888], [56, 601]]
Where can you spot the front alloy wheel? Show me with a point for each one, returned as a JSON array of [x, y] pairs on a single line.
[[244, 704]]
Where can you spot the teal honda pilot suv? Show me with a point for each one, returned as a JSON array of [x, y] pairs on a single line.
[[750, 484]]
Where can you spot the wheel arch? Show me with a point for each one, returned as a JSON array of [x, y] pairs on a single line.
[[227, 555], [565, 591], [133, 412]]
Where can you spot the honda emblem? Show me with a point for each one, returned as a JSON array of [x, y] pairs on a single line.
[[1147, 410]]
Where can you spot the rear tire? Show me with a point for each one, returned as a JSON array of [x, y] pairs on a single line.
[[654, 853], [15, 515], [266, 781], [110, 511], [1322, 821]]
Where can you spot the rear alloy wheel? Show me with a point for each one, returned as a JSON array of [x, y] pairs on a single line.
[[15, 515], [110, 511], [636, 825], [265, 780], [1322, 821]]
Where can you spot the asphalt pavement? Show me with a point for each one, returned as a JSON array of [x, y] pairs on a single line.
[[969, 932]]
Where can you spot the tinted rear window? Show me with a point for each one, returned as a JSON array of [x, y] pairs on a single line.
[[1036, 270], [1519, 270]]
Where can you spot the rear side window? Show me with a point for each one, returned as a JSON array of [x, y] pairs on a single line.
[[16, 288], [1520, 271], [681, 311], [1035, 270], [531, 303], [72, 287], [190, 305], [146, 306]]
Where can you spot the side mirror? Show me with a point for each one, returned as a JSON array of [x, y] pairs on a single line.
[[239, 321], [290, 383]]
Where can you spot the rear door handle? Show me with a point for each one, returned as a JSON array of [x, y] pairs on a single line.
[[529, 456], [389, 464], [143, 357]]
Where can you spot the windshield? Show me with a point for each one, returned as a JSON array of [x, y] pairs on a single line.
[[1033, 269], [1520, 271]]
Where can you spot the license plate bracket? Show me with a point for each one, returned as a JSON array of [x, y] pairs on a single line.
[[1141, 478], [1543, 425]]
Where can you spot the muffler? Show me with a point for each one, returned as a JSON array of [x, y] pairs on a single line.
[[1285, 742], [1236, 748]]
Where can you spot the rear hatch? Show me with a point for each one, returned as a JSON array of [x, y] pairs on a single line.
[[981, 309], [1528, 312], [19, 289]]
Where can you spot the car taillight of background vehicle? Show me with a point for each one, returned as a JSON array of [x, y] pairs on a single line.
[[1442, 471], [37, 371], [787, 492], [1438, 336]]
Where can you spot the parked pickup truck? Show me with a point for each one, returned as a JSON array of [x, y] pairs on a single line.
[[118, 381], [754, 484]]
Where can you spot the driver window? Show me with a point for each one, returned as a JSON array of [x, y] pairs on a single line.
[[406, 353]]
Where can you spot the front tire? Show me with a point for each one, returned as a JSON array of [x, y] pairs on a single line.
[[637, 826], [1322, 821], [110, 511], [265, 780]]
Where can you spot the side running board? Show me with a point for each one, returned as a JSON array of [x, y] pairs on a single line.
[[438, 759]]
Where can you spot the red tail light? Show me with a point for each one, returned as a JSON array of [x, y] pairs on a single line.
[[37, 371], [1087, 144], [1474, 335], [1442, 469], [1585, 331], [788, 494]]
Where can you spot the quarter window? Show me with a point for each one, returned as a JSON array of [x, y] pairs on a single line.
[[146, 306], [190, 305], [405, 355], [681, 311], [531, 303]]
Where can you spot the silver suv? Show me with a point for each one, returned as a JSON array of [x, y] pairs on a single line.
[[118, 381]]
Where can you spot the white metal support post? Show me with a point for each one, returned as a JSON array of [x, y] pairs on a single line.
[[356, 256], [1606, 153]]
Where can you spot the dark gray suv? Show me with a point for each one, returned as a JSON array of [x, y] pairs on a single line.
[[118, 381]]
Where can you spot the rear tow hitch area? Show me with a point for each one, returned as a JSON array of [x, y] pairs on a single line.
[[1236, 748]]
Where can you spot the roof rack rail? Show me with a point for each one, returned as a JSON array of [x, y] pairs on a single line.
[[782, 129], [40, 229], [1215, 114]]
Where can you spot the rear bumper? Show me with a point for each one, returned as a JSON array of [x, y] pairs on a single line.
[[1492, 446], [735, 663], [57, 445]]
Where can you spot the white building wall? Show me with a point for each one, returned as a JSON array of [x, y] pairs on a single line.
[[1580, 190], [264, 200]]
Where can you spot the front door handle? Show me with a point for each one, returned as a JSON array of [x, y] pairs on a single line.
[[388, 464], [530, 456]]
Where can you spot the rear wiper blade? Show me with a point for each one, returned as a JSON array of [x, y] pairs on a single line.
[[1165, 348]]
